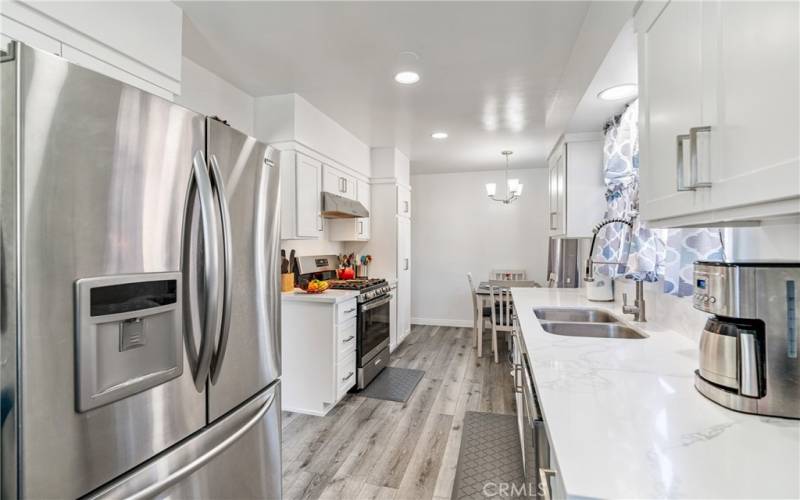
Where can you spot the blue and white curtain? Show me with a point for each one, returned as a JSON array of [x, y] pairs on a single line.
[[644, 253]]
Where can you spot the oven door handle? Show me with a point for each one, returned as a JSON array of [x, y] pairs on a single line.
[[376, 303]]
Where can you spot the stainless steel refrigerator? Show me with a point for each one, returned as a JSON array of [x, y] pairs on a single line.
[[140, 293]]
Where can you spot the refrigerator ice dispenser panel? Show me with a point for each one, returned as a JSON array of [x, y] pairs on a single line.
[[128, 335]]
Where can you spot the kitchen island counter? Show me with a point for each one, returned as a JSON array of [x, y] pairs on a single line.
[[625, 421]]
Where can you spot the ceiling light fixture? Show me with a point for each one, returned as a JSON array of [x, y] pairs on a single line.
[[513, 186], [618, 92], [406, 68], [406, 77], [439, 135]]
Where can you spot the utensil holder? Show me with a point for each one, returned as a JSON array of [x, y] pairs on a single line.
[[287, 282]]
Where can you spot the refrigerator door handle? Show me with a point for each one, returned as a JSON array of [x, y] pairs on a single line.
[[154, 489], [219, 355], [202, 183]]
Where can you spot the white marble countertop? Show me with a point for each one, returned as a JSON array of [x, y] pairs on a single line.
[[330, 296], [625, 421]]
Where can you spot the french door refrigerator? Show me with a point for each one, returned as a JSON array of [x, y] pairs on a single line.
[[139, 301]]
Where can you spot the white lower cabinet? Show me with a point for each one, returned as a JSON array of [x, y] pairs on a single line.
[[318, 353], [393, 342]]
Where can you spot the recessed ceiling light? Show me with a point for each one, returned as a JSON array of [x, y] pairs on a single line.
[[617, 92], [406, 77], [439, 135]]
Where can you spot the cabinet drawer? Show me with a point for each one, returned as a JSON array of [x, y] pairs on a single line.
[[346, 337], [346, 311], [345, 375]]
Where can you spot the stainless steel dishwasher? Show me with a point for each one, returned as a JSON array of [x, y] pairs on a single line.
[[533, 436]]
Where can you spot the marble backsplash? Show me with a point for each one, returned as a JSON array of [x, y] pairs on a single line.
[[677, 312]]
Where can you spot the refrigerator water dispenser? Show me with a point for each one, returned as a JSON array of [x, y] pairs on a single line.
[[128, 335]]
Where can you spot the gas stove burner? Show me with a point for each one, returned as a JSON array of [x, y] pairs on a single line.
[[368, 288], [357, 284]]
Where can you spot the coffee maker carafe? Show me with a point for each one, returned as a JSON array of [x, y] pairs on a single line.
[[749, 348]]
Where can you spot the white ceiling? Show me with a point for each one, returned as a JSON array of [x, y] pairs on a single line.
[[618, 67], [489, 70]]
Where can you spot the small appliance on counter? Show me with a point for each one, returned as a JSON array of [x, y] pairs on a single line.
[[748, 350]]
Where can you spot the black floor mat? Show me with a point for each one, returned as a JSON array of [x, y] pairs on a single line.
[[490, 459], [393, 384]]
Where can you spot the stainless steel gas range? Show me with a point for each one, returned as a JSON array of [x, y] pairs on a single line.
[[373, 316]]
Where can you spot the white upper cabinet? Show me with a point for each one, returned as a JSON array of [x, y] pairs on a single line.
[[576, 190], [300, 196], [671, 93], [403, 201], [403, 278], [353, 229], [756, 135], [719, 135], [556, 199], [363, 190], [338, 182], [138, 43]]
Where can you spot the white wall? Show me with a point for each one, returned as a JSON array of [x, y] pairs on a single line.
[[456, 229], [776, 239], [314, 247], [289, 117], [207, 93]]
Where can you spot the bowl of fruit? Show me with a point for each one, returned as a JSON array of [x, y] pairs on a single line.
[[313, 286]]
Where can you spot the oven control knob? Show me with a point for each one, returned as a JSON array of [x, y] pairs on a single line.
[[713, 299], [705, 298]]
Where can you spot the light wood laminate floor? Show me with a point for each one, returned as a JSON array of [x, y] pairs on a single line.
[[369, 448]]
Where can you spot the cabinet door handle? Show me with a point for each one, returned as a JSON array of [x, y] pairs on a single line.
[[347, 377], [348, 311], [693, 168], [518, 378], [319, 222], [348, 339], [360, 227], [405, 206], [553, 225], [405, 265], [679, 170]]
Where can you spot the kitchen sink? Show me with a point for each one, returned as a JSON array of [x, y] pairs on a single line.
[[595, 330], [574, 315]]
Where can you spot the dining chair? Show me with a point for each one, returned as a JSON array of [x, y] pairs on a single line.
[[479, 315], [509, 274], [502, 307]]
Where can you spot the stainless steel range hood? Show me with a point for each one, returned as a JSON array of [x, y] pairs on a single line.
[[339, 207]]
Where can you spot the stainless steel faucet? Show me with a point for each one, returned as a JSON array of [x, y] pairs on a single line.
[[589, 274], [638, 307]]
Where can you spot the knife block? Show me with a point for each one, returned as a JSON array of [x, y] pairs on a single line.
[[287, 282]]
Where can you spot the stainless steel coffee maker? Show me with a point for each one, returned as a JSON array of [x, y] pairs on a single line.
[[748, 350]]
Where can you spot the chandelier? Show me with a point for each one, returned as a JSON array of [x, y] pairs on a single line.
[[513, 187]]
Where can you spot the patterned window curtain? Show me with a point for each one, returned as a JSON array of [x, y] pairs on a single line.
[[644, 253]]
